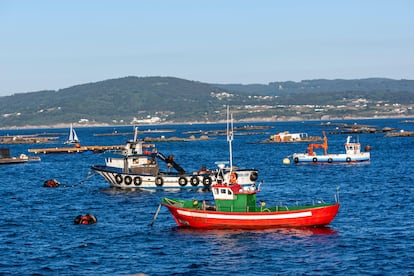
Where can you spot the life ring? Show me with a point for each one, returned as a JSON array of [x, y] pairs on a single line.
[[254, 176], [128, 180], [207, 181], [194, 181], [137, 180], [159, 181], [118, 179], [314, 160], [348, 159], [233, 177], [182, 181], [296, 160], [330, 160]]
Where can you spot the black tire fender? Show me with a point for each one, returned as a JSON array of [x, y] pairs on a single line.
[[194, 181], [159, 181], [182, 181], [254, 176], [128, 180], [118, 179], [137, 180], [207, 181]]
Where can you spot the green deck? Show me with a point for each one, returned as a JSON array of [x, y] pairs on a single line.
[[226, 207]]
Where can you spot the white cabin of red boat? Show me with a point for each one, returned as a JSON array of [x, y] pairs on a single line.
[[228, 192]]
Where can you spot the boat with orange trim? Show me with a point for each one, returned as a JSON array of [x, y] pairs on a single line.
[[352, 153]]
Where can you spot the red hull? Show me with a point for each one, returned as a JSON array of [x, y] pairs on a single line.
[[318, 216]]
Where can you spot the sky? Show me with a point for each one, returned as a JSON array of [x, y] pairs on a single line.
[[50, 45]]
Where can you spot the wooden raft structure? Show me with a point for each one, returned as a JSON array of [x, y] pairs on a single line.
[[75, 149]]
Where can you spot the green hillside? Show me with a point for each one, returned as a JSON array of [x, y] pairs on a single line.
[[131, 99]]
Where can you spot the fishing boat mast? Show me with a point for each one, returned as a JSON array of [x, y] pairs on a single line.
[[230, 136]]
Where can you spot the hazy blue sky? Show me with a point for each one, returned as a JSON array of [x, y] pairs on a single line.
[[56, 44]]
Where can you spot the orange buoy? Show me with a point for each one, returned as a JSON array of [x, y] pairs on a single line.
[[85, 219], [51, 183]]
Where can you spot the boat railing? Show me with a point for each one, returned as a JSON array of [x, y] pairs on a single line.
[[176, 203]]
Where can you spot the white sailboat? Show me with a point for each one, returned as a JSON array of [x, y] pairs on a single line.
[[73, 137]]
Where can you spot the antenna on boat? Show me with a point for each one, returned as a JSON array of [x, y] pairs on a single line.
[[230, 136], [136, 134]]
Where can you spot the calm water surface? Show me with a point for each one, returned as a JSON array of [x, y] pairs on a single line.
[[372, 234]]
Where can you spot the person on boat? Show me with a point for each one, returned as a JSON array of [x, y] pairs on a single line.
[[202, 170], [85, 219], [233, 178], [153, 161]]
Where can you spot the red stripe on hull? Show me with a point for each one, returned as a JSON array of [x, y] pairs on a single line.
[[318, 216]]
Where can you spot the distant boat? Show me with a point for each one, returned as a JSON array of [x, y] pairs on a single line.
[[73, 137], [352, 153], [5, 157], [284, 137]]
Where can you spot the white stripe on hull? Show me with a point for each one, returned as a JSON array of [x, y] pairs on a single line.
[[245, 217], [332, 158]]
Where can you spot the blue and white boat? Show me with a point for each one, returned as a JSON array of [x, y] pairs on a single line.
[[352, 154], [137, 166]]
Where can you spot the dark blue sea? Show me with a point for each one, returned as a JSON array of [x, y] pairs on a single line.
[[373, 233]]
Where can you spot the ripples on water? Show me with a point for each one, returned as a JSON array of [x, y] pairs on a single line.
[[372, 233]]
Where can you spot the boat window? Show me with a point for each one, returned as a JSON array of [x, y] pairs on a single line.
[[223, 191], [229, 192], [216, 191]]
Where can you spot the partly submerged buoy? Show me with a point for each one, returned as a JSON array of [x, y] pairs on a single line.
[[85, 219], [367, 148], [51, 183], [286, 161]]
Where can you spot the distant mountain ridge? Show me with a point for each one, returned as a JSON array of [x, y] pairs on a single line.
[[131, 99], [323, 85]]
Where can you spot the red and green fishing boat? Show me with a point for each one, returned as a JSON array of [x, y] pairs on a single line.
[[235, 207]]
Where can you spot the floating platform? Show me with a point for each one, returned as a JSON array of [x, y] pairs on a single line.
[[29, 139], [5, 157], [17, 160], [176, 139], [116, 133], [400, 134], [75, 149]]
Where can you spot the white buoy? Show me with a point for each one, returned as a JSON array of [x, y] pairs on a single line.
[[286, 161]]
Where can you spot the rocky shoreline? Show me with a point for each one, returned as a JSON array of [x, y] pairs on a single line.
[[252, 120]]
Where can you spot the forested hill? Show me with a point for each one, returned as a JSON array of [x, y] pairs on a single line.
[[323, 85], [132, 99]]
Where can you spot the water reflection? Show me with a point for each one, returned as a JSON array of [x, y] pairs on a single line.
[[291, 231]]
